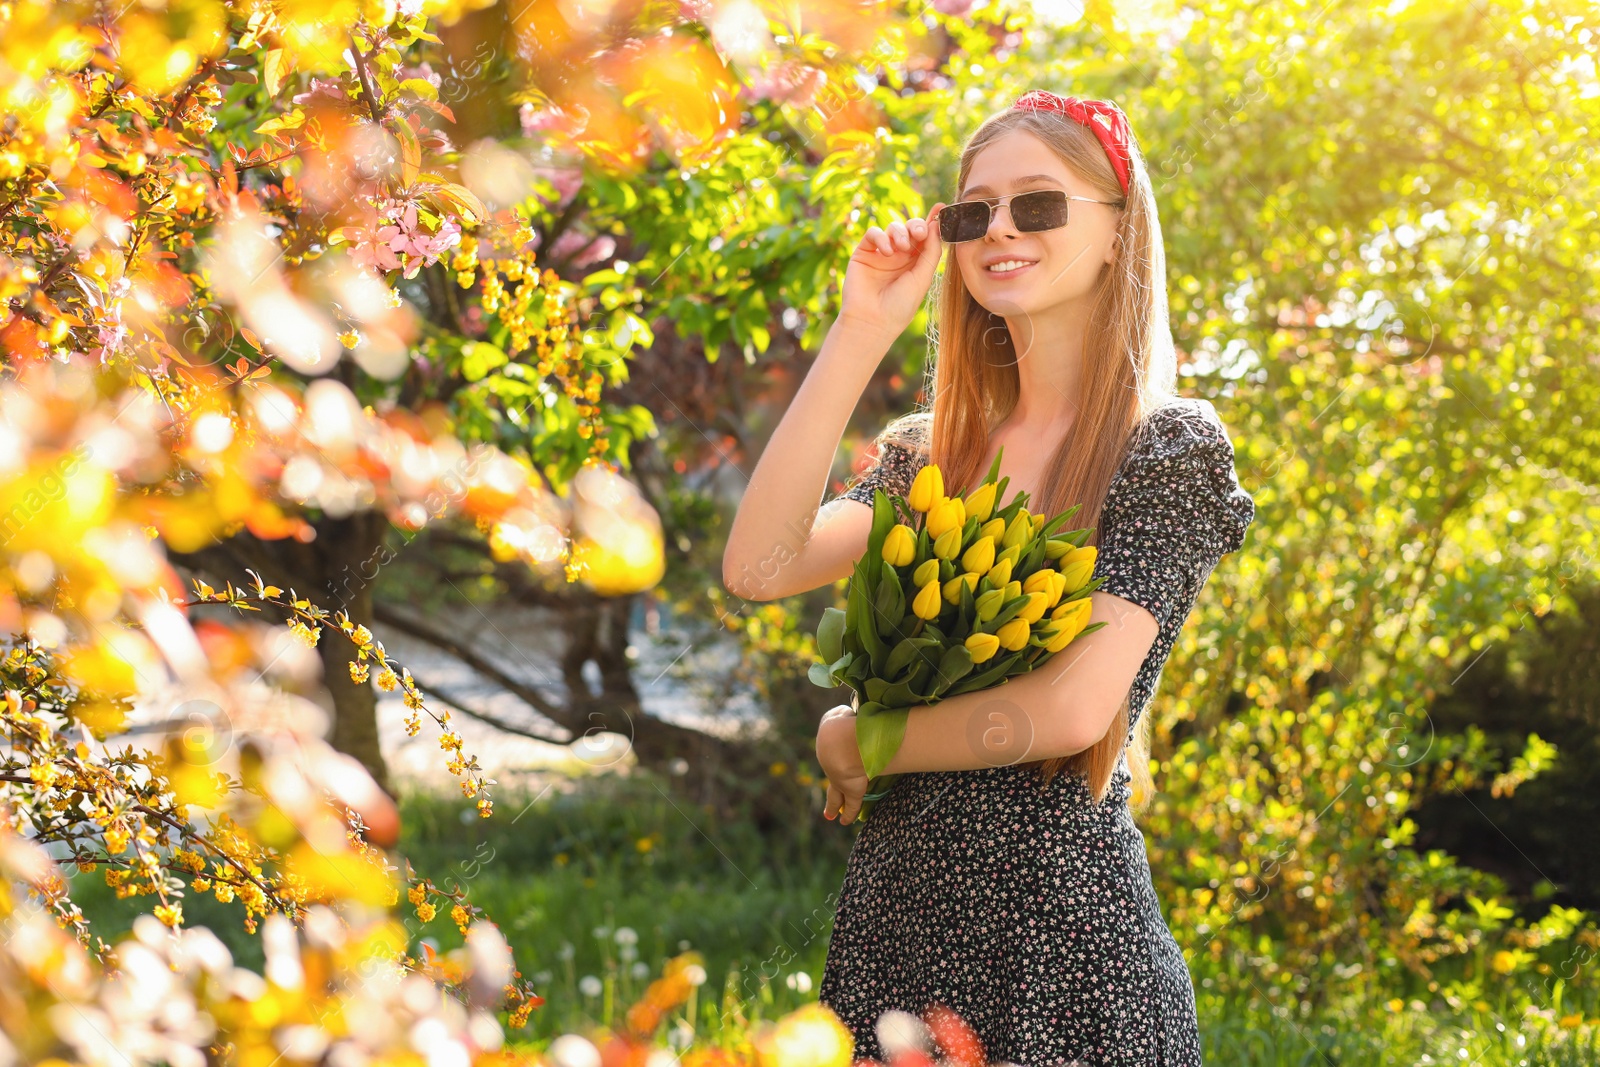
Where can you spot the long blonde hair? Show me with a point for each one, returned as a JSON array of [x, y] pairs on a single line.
[[1129, 369]]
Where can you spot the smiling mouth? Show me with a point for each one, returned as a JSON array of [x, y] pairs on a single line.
[[1009, 268]]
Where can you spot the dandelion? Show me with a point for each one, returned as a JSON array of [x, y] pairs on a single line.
[[589, 986]]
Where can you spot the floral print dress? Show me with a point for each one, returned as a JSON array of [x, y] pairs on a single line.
[[1031, 912]]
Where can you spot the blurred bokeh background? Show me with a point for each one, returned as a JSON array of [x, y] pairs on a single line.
[[436, 342]]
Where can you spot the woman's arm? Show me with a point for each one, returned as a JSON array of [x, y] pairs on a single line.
[[783, 541], [1058, 709]]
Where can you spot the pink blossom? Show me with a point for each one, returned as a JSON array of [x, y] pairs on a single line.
[[329, 90]]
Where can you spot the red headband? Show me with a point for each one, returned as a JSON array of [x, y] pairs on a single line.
[[1104, 119]]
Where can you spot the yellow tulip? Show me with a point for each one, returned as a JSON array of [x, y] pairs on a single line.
[[1013, 590], [999, 574], [1077, 567], [900, 546], [927, 489], [927, 604], [981, 502], [980, 557], [927, 572], [1073, 607], [952, 588], [947, 544], [1014, 553], [995, 528], [982, 646], [1014, 634], [1020, 530], [1049, 582], [1033, 610], [949, 513], [1061, 639], [1072, 618], [990, 603], [1055, 548]]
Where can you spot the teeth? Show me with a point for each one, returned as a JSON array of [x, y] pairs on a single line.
[[1010, 264]]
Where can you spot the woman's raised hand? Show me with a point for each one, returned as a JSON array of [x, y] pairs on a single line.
[[890, 272]]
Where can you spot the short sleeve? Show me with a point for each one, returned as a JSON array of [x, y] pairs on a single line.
[[1174, 510], [893, 471]]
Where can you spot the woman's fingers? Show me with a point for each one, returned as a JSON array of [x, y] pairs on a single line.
[[852, 807], [830, 806]]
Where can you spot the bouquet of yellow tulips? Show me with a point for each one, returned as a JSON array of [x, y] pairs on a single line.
[[951, 596]]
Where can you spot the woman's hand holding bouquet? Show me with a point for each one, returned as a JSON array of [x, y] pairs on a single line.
[[951, 597]]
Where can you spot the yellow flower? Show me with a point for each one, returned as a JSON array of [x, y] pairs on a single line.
[[425, 912], [995, 528], [980, 557], [116, 840], [170, 914], [982, 646], [1033, 610], [990, 603], [1000, 574], [1020, 530], [1057, 547], [952, 588], [949, 514], [900, 546], [927, 489], [1014, 634], [417, 894], [358, 671], [1503, 962], [387, 679], [1045, 581], [927, 605], [1073, 607], [458, 915], [1077, 567], [777, 769], [981, 502], [927, 572], [948, 544], [1072, 618], [811, 1036]]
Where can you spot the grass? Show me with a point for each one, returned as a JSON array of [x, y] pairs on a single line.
[[564, 874]]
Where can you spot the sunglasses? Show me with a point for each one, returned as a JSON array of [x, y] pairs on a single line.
[[1031, 212]]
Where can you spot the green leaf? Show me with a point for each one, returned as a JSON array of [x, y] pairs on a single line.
[[478, 358], [994, 468], [954, 665], [830, 634], [890, 601], [878, 735], [882, 523], [991, 675]]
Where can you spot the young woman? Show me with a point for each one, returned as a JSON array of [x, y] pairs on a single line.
[[1003, 875]]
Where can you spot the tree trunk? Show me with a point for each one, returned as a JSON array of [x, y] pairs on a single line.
[[335, 571]]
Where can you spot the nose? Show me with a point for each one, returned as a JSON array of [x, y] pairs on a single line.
[[994, 218]]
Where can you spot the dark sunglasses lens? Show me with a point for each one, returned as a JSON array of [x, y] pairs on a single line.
[[965, 221], [1042, 210]]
